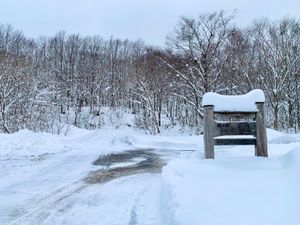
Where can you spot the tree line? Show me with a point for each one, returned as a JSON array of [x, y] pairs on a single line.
[[50, 82]]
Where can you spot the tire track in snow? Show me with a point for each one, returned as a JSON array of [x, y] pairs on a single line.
[[45, 205], [151, 163], [145, 193]]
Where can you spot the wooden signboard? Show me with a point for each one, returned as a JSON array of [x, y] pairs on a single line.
[[255, 130]]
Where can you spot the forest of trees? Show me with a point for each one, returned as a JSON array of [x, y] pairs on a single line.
[[50, 82]]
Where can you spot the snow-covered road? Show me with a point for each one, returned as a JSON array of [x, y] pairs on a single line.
[[72, 187], [127, 200]]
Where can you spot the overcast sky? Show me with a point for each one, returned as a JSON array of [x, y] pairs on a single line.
[[150, 20]]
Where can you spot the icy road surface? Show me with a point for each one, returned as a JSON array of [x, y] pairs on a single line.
[[70, 188]]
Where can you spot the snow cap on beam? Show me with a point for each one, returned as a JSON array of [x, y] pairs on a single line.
[[234, 103]]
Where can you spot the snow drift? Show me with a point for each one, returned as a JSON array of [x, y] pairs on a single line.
[[260, 191]]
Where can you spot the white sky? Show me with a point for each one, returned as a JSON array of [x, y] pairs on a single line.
[[150, 20]]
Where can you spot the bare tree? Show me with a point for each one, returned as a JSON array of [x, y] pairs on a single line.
[[276, 44], [200, 42]]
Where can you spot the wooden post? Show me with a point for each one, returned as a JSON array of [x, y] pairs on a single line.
[[208, 132], [261, 148]]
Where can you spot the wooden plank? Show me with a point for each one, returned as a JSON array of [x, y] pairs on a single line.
[[235, 128], [240, 141], [208, 132], [235, 115], [235, 112], [261, 148]]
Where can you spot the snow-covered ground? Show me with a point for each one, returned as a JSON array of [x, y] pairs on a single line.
[[235, 188], [44, 180]]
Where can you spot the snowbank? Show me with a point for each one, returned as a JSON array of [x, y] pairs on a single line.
[[26, 142], [260, 191], [240, 103]]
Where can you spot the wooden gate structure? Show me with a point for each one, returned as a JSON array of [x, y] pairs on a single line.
[[242, 125]]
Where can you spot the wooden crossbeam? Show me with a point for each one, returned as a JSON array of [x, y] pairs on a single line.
[[239, 141]]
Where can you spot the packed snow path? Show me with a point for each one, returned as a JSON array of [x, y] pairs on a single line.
[[119, 188]]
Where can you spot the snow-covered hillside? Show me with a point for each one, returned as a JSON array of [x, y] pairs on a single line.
[[46, 179]]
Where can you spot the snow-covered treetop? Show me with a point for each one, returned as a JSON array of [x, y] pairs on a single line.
[[234, 103]]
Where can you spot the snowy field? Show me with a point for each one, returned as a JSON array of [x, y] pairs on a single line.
[[44, 180]]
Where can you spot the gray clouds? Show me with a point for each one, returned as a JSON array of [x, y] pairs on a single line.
[[150, 20]]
